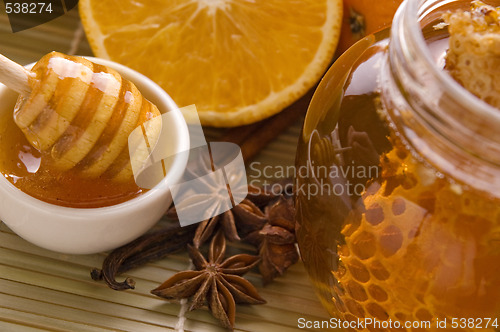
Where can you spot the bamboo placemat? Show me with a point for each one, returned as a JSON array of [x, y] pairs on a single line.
[[44, 290]]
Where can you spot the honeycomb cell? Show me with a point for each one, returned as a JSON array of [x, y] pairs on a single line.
[[398, 206], [356, 291], [355, 308], [363, 245], [391, 240], [350, 318], [377, 311], [375, 214], [377, 293], [401, 153], [372, 189], [379, 271], [423, 315], [401, 316], [358, 270]]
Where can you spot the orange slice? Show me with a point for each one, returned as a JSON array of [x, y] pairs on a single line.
[[239, 61]]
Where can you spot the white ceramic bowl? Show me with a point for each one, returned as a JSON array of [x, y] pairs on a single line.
[[85, 231]]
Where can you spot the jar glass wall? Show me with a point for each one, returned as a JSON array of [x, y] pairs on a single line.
[[398, 181]]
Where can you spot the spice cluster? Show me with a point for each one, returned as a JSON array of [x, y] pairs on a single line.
[[263, 219]]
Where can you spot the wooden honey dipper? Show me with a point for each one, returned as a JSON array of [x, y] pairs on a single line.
[[77, 112]]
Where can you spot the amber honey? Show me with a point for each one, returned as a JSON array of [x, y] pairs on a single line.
[[414, 242], [25, 167], [66, 142]]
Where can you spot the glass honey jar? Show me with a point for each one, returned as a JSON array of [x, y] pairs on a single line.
[[398, 184]]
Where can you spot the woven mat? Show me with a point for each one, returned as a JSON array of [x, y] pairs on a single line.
[[43, 290]]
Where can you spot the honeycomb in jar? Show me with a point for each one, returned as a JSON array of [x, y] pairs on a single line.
[[473, 57], [423, 249]]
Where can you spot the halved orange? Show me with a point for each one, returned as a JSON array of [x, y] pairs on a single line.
[[239, 61]]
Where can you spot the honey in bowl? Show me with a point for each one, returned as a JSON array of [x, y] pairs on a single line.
[[67, 141], [22, 165], [399, 212]]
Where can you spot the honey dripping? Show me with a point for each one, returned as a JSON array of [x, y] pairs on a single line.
[[23, 166]]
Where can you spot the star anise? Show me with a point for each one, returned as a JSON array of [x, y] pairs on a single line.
[[277, 239], [244, 218], [217, 282]]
